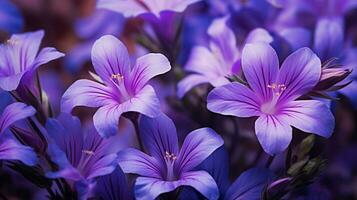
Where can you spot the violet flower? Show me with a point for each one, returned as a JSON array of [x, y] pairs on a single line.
[[133, 8], [10, 149], [222, 59], [167, 167], [122, 88], [272, 96], [80, 155], [19, 58]]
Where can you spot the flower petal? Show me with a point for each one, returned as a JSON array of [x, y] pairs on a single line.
[[10, 83], [12, 150], [274, 133], [233, 99], [317, 114], [260, 66], [159, 136], [329, 38], [202, 182], [128, 8], [106, 119], [136, 162], [249, 185], [148, 188], [110, 57], [85, 93], [189, 82], [296, 37], [259, 35], [147, 67], [299, 73], [46, 55], [102, 166], [14, 112], [198, 145]]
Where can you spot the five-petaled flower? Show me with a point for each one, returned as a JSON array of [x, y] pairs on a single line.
[[272, 96], [19, 58], [122, 88], [222, 59], [166, 167]]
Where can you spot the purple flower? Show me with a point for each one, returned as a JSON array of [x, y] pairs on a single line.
[[122, 88], [133, 8], [10, 149], [10, 17], [167, 167], [221, 60], [19, 58], [272, 96], [80, 155]]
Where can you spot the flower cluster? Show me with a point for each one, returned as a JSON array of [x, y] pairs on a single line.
[[255, 88]]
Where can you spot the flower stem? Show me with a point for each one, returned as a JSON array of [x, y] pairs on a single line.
[[134, 118]]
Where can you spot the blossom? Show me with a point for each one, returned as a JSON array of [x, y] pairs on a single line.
[[167, 167], [10, 17], [222, 59], [19, 58], [133, 8], [10, 149], [272, 96], [122, 88], [80, 155]]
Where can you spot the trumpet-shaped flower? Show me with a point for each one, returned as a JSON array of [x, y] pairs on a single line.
[[167, 167], [10, 149], [272, 96], [222, 59], [133, 8], [19, 58], [122, 88]]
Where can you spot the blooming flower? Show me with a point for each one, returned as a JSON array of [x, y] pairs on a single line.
[[19, 59], [272, 96], [80, 155], [167, 167], [122, 88], [10, 149], [10, 17], [221, 60], [133, 8]]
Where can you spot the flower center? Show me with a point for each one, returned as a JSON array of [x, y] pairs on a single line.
[[277, 89], [170, 161], [119, 83], [270, 106]]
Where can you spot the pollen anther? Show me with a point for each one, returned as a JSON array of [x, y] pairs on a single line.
[[118, 77], [170, 156], [278, 89], [88, 152]]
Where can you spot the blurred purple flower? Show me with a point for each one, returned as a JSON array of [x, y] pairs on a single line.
[[19, 58], [122, 88], [221, 60], [10, 149], [272, 96], [167, 167], [133, 8], [10, 17], [101, 22], [80, 155]]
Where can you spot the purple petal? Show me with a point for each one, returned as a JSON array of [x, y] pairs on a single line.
[[106, 119], [136, 162], [147, 67], [10, 83], [249, 185], [296, 37], [259, 35], [329, 37], [299, 112], [110, 57], [148, 188], [233, 99], [113, 186], [202, 182], [299, 73], [159, 136], [85, 93], [198, 145], [46, 55], [260, 66], [12, 150], [128, 8], [274, 133], [223, 41], [189, 82], [14, 112], [99, 167]]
